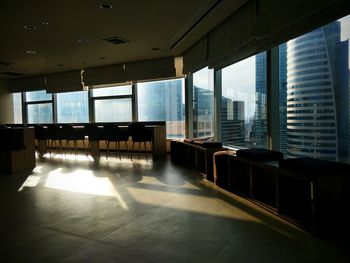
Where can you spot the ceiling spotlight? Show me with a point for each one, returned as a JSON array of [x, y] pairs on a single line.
[[44, 23], [29, 27], [82, 41], [102, 58], [30, 52], [105, 6]]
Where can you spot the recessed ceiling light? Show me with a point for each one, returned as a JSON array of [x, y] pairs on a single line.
[[31, 52], [60, 65], [82, 41], [102, 58], [155, 49], [44, 23], [29, 27], [105, 6]]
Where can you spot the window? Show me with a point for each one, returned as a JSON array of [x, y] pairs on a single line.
[[243, 103], [314, 93], [39, 107], [163, 101], [72, 107], [17, 108], [203, 103], [113, 104], [39, 113]]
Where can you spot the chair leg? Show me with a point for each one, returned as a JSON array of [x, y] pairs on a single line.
[[132, 150], [120, 157], [139, 150], [75, 147], [107, 152], [144, 143], [126, 146]]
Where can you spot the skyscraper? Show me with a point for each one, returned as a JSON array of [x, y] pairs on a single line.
[[259, 128], [318, 95], [232, 123]]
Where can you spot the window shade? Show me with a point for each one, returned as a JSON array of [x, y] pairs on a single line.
[[27, 84], [257, 26], [64, 82]]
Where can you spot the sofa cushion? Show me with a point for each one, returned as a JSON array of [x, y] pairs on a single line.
[[260, 155], [311, 166]]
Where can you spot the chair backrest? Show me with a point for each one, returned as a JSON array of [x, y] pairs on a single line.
[[138, 132], [39, 132], [68, 131], [54, 132], [93, 132], [109, 130]]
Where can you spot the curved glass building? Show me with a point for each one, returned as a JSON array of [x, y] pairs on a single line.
[[317, 95]]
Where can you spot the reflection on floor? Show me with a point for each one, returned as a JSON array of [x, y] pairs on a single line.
[[71, 209]]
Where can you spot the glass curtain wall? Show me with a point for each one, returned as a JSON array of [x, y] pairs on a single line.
[[17, 108], [39, 107], [314, 93], [73, 107], [203, 103], [163, 101], [243, 103], [113, 104]]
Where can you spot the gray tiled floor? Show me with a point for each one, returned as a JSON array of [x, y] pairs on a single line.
[[120, 211]]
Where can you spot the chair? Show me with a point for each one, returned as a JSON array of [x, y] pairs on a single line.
[[70, 134], [139, 133], [95, 135], [40, 134], [54, 133], [115, 134]]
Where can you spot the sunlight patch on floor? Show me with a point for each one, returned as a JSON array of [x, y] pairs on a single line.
[[188, 202], [83, 181], [31, 181], [155, 181]]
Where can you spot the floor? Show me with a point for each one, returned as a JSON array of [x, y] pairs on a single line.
[[73, 210]]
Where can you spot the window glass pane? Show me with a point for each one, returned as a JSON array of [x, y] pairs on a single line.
[[112, 91], [72, 107], [37, 96], [113, 110], [163, 101], [314, 93], [17, 108], [203, 101], [40, 113], [243, 104]]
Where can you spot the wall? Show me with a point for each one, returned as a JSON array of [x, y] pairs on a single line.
[[6, 103]]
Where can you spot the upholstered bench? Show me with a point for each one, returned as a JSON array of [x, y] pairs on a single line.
[[314, 192]]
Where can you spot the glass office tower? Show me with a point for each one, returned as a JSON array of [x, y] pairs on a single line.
[[318, 95]]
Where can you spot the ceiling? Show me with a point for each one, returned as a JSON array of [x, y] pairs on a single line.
[[169, 27]]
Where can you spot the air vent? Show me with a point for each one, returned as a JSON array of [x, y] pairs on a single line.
[[12, 74], [115, 40], [5, 63]]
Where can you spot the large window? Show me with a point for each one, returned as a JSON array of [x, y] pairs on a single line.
[[39, 107], [73, 107], [243, 103], [163, 101], [203, 103], [314, 93], [113, 104], [17, 108]]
